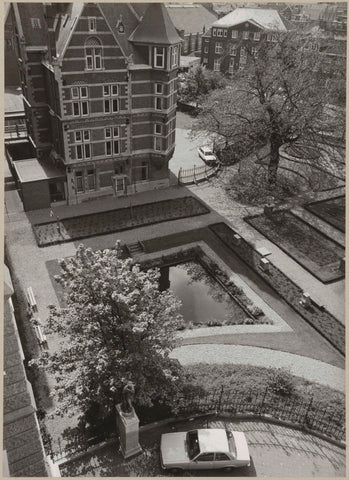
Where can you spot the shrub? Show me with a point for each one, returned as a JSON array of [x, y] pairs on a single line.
[[281, 382]]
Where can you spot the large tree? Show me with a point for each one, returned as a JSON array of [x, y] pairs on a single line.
[[116, 327], [199, 81], [278, 98]]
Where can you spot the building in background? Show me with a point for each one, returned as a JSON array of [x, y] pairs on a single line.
[[191, 20], [224, 47], [99, 85]]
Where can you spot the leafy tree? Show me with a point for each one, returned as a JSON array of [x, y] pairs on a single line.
[[199, 81], [276, 99], [116, 326]]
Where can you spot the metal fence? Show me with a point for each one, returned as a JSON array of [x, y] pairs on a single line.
[[196, 174], [314, 416]]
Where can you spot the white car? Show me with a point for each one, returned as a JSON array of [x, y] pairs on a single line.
[[206, 154], [204, 449]]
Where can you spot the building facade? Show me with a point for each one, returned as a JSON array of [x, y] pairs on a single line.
[[99, 84], [232, 38]]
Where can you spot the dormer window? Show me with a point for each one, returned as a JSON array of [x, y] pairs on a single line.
[[35, 23], [92, 24], [159, 57]]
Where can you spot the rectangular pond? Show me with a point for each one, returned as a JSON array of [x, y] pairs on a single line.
[[204, 301]]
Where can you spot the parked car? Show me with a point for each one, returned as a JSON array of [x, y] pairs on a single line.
[[207, 155], [203, 449]]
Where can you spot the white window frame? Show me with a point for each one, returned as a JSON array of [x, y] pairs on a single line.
[[93, 56], [107, 102], [254, 51], [74, 89], [216, 62], [87, 146], [79, 148], [35, 23], [257, 36], [206, 49], [155, 128], [92, 24], [158, 56], [82, 109], [81, 90], [107, 88], [233, 50], [234, 34], [105, 132], [205, 60], [159, 99], [158, 142], [86, 135], [115, 101], [112, 87], [175, 56], [245, 35], [225, 33], [78, 133], [213, 32], [218, 48], [219, 32], [108, 142], [161, 88], [76, 114], [116, 142], [231, 65]]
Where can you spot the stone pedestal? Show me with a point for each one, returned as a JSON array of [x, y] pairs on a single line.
[[128, 427]]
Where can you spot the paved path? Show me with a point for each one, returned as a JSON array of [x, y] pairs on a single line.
[[276, 451], [305, 367]]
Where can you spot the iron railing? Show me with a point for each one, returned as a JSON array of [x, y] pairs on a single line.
[[196, 174]]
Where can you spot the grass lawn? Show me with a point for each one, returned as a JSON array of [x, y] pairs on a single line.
[[316, 252], [116, 220], [331, 210]]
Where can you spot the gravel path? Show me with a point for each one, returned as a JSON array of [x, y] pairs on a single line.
[[305, 367]]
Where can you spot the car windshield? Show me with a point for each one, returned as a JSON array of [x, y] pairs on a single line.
[[193, 444]]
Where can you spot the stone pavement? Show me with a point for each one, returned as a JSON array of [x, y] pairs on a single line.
[[331, 295], [276, 451], [305, 367]]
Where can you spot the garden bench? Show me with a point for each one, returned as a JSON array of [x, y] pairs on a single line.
[[31, 298], [40, 336]]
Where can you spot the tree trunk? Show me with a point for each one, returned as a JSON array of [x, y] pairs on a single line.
[[275, 144]]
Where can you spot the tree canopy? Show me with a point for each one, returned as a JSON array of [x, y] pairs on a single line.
[[278, 97], [199, 81], [116, 327]]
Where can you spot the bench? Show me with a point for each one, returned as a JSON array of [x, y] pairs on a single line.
[[40, 336], [31, 299]]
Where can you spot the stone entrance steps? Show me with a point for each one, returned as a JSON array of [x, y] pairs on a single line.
[[134, 248]]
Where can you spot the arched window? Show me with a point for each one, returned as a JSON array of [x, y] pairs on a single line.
[[93, 54]]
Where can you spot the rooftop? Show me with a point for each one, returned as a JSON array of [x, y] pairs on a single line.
[[192, 18], [13, 100], [268, 19], [31, 170]]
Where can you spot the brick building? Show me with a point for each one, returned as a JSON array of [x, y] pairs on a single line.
[[99, 85], [226, 44]]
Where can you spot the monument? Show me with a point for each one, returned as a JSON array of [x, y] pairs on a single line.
[[128, 422]]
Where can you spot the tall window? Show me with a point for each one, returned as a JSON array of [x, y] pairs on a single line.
[[243, 57], [84, 149], [158, 88], [245, 35], [93, 54], [254, 51], [158, 103], [174, 56], [218, 47], [257, 36], [234, 34], [233, 50], [35, 23], [214, 31], [217, 65], [112, 147], [79, 92], [92, 24], [91, 179], [158, 129], [159, 57], [219, 32]]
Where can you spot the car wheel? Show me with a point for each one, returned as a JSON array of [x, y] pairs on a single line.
[[176, 471]]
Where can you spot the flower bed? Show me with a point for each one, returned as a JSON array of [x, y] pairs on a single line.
[[248, 314], [331, 210], [312, 249], [102, 223], [317, 316]]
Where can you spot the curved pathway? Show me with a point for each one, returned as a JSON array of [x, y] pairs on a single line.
[[308, 368]]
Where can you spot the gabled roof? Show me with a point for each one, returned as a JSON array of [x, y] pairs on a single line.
[[156, 27], [67, 22], [268, 19], [192, 18], [26, 12]]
